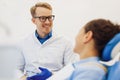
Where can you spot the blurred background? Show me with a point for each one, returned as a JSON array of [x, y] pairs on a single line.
[[70, 16]]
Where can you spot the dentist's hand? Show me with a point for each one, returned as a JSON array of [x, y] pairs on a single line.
[[45, 73]]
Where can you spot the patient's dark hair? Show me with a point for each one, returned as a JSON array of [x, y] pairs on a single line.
[[103, 31]]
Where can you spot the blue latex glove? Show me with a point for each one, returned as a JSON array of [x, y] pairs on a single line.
[[45, 73]]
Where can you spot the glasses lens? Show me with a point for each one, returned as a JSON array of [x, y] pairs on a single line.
[[51, 18], [42, 18]]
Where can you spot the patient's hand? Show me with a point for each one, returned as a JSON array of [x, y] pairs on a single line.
[[45, 73]]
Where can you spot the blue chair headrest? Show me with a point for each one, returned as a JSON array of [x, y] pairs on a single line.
[[112, 48]]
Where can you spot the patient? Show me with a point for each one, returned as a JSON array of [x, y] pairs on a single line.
[[90, 43]]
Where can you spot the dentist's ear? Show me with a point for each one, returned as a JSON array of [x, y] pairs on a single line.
[[33, 20], [88, 36]]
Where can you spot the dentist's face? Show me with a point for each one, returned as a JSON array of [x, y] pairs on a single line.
[[43, 26]]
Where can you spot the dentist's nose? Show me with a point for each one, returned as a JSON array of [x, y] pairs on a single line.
[[47, 21]]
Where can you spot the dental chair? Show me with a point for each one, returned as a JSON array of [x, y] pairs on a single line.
[[111, 51]]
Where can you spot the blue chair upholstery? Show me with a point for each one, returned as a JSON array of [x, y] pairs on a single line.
[[108, 50], [111, 50], [114, 72]]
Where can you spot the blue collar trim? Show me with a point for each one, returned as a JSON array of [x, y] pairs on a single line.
[[42, 40]]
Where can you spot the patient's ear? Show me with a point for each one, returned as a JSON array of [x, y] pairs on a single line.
[[88, 36]]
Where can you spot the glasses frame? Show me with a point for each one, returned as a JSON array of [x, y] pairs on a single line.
[[44, 18]]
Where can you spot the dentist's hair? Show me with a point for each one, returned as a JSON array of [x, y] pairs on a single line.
[[40, 4]]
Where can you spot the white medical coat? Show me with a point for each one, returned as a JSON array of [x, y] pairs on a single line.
[[53, 54]]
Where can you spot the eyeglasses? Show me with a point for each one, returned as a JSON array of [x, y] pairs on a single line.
[[44, 18]]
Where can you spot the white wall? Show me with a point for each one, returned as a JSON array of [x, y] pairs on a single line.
[[70, 15]]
